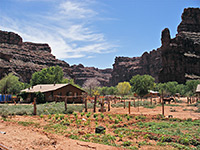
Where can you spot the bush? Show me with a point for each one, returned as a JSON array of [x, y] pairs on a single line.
[[126, 143], [184, 141]]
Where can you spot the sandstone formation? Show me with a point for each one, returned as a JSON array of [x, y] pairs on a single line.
[[25, 58], [81, 74], [178, 59]]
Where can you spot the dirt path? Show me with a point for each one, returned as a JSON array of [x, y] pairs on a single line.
[[24, 138]]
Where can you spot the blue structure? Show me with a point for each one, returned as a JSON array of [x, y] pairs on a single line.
[[5, 98]]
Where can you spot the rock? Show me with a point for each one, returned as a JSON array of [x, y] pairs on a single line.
[[178, 59], [100, 129], [25, 58], [81, 74]]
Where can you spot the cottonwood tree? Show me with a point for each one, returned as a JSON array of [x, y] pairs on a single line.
[[91, 85], [48, 76], [10, 84], [141, 84], [123, 88]]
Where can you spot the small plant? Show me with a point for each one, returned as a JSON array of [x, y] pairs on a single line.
[[116, 121], [96, 118], [128, 117], [95, 115], [126, 143], [62, 117], [56, 116], [184, 141], [82, 114], [88, 115], [75, 115], [102, 115], [49, 116], [41, 116], [96, 123]]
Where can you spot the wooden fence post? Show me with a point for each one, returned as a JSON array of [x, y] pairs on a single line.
[[162, 105], [86, 104], [108, 104], [102, 104], [129, 107], [95, 101], [34, 107], [65, 103], [151, 101], [134, 102]]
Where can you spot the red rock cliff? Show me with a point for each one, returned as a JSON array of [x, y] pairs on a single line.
[[178, 59]]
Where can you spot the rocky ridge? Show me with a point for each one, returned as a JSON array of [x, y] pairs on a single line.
[[178, 59], [25, 58]]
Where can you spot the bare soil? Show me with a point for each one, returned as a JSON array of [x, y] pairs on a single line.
[[19, 137]]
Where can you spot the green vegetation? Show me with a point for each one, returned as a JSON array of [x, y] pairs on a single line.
[[11, 84], [141, 84], [123, 88], [45, 109]]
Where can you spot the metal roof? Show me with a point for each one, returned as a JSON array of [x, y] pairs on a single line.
[[44, 88]]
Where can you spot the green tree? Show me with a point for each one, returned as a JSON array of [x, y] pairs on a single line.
[[107, 90], [10, 84], [48, 76], [141, 84], [123, 88], [171, 87], [181, 89], [191, 85]]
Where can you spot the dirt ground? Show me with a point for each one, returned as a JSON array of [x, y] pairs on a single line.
[[18, 137], [25, 138]]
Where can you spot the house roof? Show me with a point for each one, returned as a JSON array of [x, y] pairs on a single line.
[[153, 92], [198, 88], [46, 88]]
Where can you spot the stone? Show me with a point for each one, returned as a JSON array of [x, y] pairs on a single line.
[[100, 129]]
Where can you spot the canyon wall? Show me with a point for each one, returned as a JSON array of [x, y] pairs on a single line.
[[178, 59]]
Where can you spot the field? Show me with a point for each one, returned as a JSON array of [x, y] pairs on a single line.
[[143, 129]]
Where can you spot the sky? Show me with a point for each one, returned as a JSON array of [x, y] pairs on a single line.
[[93, 32]]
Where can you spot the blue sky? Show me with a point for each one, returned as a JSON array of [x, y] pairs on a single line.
[[93, 32]]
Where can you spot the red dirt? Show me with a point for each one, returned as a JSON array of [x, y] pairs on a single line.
[[20, 137]]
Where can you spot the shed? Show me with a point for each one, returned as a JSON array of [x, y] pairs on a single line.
[[50, 90]]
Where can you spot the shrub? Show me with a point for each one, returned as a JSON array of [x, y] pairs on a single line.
[[165, 139], [116, 121], [62, 117], [82, 114], [126, 143], [184, 141], [102, 115], [95, 115], [88, 115]]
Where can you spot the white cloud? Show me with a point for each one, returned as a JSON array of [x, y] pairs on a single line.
[[66, 31], [76, 10]]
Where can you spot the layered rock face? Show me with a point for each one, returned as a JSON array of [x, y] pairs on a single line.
[[178, 59], [81, 74], [25, 58], [181, 55]]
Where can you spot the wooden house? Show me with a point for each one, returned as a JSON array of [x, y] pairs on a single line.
[[52, 90]]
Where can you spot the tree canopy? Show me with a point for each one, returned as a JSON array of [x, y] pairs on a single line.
[[48, 76], [141, 84], [10, 84], [123, 88]]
